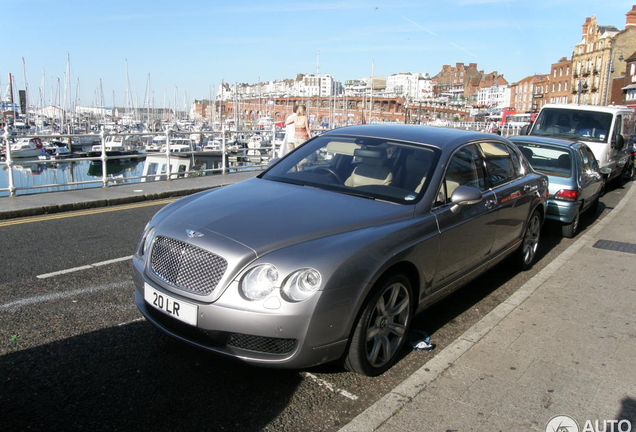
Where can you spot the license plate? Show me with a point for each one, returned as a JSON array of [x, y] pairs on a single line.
[[183, 311]]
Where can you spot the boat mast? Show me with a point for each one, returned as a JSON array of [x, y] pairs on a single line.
[[147, 99], [11, 99], [26, 93], [371, 97]]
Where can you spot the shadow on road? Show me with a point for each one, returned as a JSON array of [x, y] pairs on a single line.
[[122, 379]]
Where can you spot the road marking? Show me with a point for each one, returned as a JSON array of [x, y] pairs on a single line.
[[17, 304], [321, 382], [99, 210], [85, 267]]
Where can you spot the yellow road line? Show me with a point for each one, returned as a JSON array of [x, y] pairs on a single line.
[[86, 212]]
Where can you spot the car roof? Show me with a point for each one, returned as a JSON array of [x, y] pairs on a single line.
[[555, 142], [592, 108], [444, 138]]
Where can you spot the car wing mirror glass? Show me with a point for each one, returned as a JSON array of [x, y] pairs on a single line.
[[619, 143], [606, 171]]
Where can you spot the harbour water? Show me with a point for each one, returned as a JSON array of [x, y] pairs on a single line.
[[62, 173], [52, 175]]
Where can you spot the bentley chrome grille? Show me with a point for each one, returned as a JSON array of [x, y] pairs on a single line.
[[186, 266]]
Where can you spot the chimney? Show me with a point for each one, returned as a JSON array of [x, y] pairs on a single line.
[[586, 25], [631, 17]]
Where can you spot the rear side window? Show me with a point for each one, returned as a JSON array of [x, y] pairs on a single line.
[[589, 161], [500, 166]]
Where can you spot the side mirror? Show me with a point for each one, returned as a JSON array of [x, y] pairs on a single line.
[[605, 171], [465, 195], [619, 143], [524, 130]]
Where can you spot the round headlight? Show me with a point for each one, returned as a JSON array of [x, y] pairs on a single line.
[[259, 282], [302, 284]]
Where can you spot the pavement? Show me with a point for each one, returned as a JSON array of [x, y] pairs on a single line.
[[80, 199], [558, 355]]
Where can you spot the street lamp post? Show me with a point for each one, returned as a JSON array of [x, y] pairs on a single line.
[[610, 70], [581, 87]]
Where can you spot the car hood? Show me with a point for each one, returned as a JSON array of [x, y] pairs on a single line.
[[265, 215]]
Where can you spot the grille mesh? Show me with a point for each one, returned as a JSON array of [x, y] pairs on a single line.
[[261, 344], [186, 266]]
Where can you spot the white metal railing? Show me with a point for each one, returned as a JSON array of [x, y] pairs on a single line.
[[234, 152], [504, 130]]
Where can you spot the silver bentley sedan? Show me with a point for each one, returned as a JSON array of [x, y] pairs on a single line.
[[329, 253]]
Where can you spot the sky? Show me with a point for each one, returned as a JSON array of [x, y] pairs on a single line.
[[165, 53]]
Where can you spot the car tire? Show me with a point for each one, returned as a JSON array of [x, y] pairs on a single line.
[[570, 230], [527, 251], [382, 327]]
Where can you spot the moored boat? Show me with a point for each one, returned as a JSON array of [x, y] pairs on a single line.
[[26, 148]]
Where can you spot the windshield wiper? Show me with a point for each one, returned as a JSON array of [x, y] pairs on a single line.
[[356, 194]]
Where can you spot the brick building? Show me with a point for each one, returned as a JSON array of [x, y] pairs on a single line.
[[559, 81], [458, 82], [624, 86], [530, 93], [599, 58]]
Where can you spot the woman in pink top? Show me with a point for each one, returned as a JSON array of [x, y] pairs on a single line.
[[301, 127]]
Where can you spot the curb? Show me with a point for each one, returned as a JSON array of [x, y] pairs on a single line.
[[389, 405]]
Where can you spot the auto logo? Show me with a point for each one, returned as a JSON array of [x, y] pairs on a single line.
[[193, 233]]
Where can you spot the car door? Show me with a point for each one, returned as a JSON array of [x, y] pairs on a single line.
[[512, 192], [466, 232]]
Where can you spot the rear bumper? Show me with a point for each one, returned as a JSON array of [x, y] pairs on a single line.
[[562, 211]]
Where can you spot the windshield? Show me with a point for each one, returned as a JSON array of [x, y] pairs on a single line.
[[367, 167], [573, 124]]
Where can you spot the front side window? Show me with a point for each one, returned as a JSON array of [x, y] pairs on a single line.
[[466, 168]]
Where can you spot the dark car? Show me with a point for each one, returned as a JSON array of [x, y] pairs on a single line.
[[329, 253], [576, 181]]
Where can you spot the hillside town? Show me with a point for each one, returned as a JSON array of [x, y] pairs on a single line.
[[601, 70]]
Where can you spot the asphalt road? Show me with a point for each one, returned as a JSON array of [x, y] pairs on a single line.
[[75, 353]]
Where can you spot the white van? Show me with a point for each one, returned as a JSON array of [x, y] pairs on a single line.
[[607, 130]]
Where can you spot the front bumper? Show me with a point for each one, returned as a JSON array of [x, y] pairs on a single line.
[[265, 339]]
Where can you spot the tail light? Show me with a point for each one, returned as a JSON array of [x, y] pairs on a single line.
[[567, 195]]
